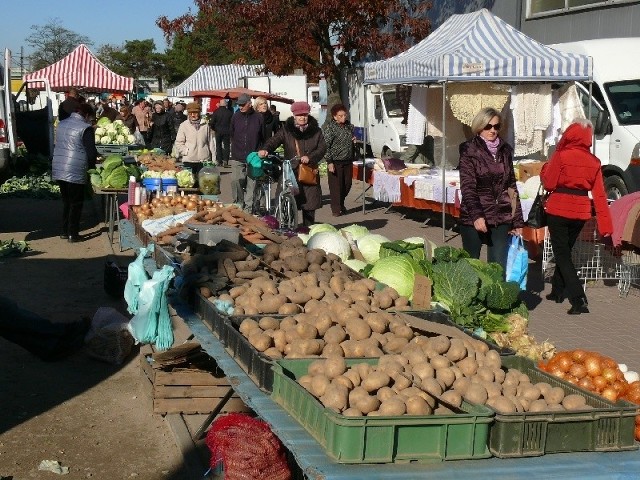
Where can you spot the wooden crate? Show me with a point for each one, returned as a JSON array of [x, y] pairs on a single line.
[[188, 390]]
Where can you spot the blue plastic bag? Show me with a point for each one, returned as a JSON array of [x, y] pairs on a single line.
[[517, 262]]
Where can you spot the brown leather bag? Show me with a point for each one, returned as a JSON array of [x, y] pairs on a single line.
[[307, 175]]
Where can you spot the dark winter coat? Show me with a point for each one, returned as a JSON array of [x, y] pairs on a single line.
[[269, 124], [339, 140], [162, 133], [246, 134], [484, 184], [573, 166], [311, 143], [220, 121], [177, 118]]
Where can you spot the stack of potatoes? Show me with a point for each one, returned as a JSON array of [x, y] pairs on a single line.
[[432, 375]]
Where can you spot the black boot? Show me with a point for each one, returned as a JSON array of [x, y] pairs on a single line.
[[556, 297], [579, 306]]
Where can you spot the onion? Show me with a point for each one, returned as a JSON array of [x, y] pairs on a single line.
[[556, 372], [586, 383], [571, 379], [610, 394], [593, 365], [600, 383], [564, 363], [578, 370], [579, 355], [609, 363], [610, 375]]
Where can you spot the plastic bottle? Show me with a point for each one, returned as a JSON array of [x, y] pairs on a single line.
[[131, 194], [209, 179]]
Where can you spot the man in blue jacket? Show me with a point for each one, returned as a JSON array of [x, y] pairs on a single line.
[[246, 137]]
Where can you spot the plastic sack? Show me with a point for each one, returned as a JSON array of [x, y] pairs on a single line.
[[139, 139], [152, 323], [109, 338], [517, 262], [136, 276], [289, 176]]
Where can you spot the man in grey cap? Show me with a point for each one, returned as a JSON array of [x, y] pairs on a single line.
[[246, 137]]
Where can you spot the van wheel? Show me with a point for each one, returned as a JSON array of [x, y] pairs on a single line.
[[615, 187]]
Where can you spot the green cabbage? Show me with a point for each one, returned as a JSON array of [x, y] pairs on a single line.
[[321, 227], [356, 231], [398, 272], [118, 178], [369, 246], [355, 264], [304, 237], [185, 178], [331, 242], [103, 122]]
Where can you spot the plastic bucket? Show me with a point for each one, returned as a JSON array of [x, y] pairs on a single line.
[[152, 184], [167, 183]]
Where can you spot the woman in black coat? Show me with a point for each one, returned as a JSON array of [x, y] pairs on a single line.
[[161, 131]]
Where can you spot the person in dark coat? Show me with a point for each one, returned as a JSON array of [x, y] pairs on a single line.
[[490, 207], [303, 130], [74, 153], [571, 173], [177, 116], [128, 118], [338, 135], [161, 131], [246, 137], [262, 107], [69, 105], [220, 122]]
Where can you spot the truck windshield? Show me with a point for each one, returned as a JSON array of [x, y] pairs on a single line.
[[625, 100], [392, 104]]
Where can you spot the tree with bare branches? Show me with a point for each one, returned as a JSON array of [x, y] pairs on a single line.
[[52, 42]]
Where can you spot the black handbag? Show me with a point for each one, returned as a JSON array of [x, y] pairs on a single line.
[[537, 215]]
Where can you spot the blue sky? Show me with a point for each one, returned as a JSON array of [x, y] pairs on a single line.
[[112, 22]]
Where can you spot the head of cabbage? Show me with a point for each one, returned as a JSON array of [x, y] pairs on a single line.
[[331, 242], [369, 246], [398, 272]]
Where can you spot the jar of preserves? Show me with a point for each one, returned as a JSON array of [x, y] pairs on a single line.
[[209, 179]]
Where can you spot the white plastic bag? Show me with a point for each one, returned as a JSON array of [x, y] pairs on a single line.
[[289, 176], [109, 338]]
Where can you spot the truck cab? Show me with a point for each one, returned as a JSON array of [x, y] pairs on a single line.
[[615, 109]]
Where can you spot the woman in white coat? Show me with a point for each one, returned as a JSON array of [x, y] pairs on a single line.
[[195, 141]]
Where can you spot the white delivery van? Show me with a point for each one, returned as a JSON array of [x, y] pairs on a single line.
[[7, 114], [615, 108], [385, 131]]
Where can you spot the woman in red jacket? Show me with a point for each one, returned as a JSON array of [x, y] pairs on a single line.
[[490, 208], [571, 173]]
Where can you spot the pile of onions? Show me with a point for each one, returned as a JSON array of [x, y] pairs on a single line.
[[632, 394], [588, 370]]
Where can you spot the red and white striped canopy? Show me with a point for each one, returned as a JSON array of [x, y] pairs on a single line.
[[81, 69]]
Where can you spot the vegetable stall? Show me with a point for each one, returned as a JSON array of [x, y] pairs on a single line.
[[314, 346]]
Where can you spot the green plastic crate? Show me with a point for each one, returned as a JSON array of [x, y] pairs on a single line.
[[607, 427], [405, 438]]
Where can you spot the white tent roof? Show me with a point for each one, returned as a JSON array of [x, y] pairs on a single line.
[[478, 46], [213, 77]]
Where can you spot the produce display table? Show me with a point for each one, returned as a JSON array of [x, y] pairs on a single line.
[[315, 463]]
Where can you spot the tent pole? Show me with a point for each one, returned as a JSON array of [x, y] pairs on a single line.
[[593, 140], [444, 160], [364, 153]]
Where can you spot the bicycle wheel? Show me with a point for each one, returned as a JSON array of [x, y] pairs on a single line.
[[287, 213], [258, 199]]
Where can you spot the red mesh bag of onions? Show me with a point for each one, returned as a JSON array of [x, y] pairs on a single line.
[[247, 448]]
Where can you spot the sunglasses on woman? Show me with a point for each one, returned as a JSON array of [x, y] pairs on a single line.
[[489, 126]]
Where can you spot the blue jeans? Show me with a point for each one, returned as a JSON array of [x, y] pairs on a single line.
[[496, 239]]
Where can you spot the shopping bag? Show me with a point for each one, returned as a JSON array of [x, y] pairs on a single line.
[[289, 177], [517, 262], [307, 175], [537, 217], [136, 276]]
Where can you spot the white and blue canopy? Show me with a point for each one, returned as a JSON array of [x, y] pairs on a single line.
[[213, 77], [478, 46]]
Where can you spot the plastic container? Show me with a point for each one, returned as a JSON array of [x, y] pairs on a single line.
[[405, 438], [606, 427], [169, 185], [209, 180], [152, 184], [213, 234]]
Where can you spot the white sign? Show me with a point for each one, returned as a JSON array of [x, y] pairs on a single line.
[[472, 67]]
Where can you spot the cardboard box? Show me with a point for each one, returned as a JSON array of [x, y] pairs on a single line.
[[529, 169]]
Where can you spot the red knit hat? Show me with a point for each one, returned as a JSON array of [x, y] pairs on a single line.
[[300, 108]]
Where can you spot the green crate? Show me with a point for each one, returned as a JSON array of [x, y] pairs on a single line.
[[406, 438], [607, 427], [112, 149]]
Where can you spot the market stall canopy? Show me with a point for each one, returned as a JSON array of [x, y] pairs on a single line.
[[81, 69], [478, 46], [234, 93], [208, 77]]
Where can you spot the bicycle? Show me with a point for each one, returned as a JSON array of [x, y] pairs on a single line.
[[261, 204], [286, 209]]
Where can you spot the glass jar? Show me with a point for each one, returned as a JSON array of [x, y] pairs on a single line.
[[209, 179]]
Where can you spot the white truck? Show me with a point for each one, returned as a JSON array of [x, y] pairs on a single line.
[[294, 87], [23, 121], [385, 131], [615, 109]]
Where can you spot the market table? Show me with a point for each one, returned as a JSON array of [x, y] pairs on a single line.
[[403, 194], [315, 463]]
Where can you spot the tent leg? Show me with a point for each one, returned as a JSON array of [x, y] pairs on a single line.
[[444, 160]]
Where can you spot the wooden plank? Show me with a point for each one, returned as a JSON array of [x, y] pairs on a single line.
[[192, 391], [196, 405], [189, 377], [192, 464]]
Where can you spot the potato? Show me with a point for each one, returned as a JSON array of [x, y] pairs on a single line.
[[334, 367], [554, 395], [468, 366], [440, 344], [358, 329], [461, 385], [392, 407], [452, 397], [279, 340], [400, 382], [574, 402], [352, 412], [355, 394], [298, 297], [498, 375], [456, 351], [309, 346], [250, 310], [367, 403], [319, 384], [539, 406], [485, 373], [273, 352], [501, 404], [363, 369], [395, 344], [347, 315], [431, 385], [375, 380], [332, 350], [446, 376], [335, 334], [260, 341], [438, 361], [417, 406], [385, 392], [271, 303], [267, 323], [423, 370], [543, 386], [337, 285], [531, 392], [335, 397], [297, 264], [316, 367], [306, 331], [476, 393], [344, 381], [384, 300]]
